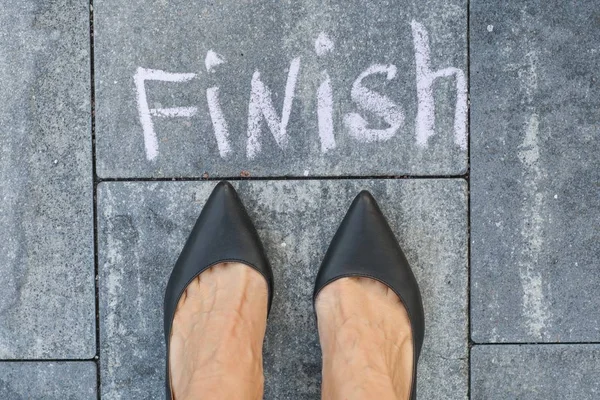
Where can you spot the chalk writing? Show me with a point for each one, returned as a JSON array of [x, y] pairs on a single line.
[[261, 108], [425, 102], [212, 60], [323, 46], [141, 76], [378, 104], [214, 106]]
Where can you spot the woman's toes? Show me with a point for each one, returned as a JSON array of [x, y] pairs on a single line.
[[193, 289], [182, 301], [222, 299], [384, 344], [374, 287]]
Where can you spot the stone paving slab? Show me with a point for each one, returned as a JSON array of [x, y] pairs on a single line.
[[535, 372], [48, 380], [47, 306], [535, 171], [288, 88], [143, 225]]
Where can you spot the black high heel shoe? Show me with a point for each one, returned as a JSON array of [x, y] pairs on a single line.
[[365, 246], [223, 233]]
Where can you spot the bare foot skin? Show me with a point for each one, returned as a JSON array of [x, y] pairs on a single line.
[[217, 335], [366, 341]]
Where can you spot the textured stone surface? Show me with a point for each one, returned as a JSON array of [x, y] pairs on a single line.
[[48, 380], [265, 36], [46, 234], [535, 189], [143, 225], [553, 372]]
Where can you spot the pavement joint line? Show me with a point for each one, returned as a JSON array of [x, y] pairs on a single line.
[[94, 194], [504, 344], [537, 344], [468, 73], [49, 360], [284, 178]]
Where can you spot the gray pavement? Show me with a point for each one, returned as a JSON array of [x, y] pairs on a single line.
[[535, 172], [107, 154], [47, 306], [143, 221], [279, 88], [535, 372], [48, 380]]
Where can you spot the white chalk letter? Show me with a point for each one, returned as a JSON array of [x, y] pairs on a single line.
[[261, 107], [323, 46], [376, 103], [218, 121], [212, 60], [214, 106], [425, 126], [141, 76], [325, 114]]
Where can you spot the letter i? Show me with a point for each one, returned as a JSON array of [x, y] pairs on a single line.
[[324, 45], [214, 106]]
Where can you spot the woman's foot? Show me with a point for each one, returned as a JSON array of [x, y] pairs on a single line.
[[217, 335], [366, 341]]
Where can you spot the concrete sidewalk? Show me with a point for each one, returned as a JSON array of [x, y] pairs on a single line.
[[475, 124]]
